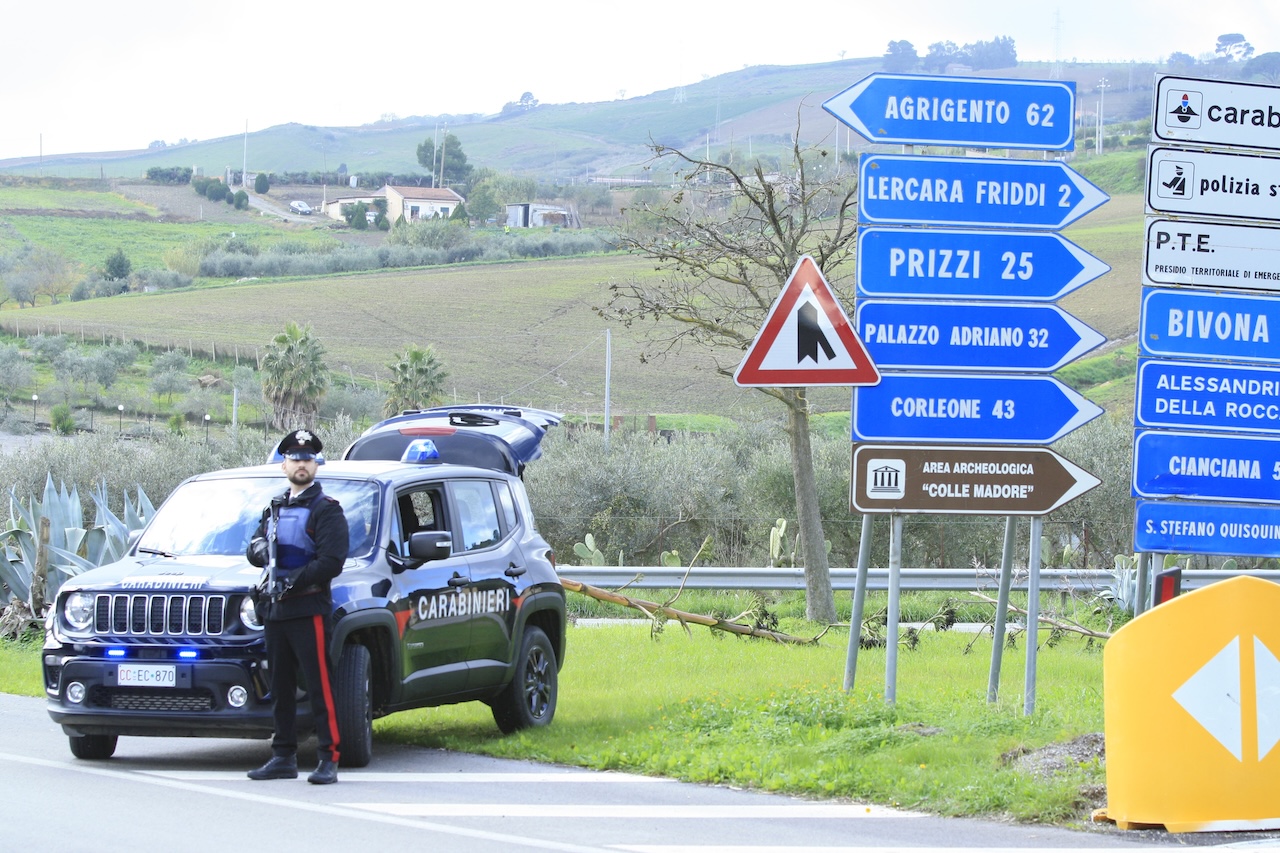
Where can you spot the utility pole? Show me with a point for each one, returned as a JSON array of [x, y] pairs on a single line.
[[444, 140], [244, 165], [1102, 94]]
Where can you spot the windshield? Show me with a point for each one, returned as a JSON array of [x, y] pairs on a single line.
[[219, 516]]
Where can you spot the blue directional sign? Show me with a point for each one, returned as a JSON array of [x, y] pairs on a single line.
[[971, 264], [922, 335], [902, 189], [975, 111], [1207, 395], [1181, 527], [1212, 466], [974, 409], [1199, 324]]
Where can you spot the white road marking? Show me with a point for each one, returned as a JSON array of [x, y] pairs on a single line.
[[737, 848], [516, 841], [626, 812], [566, 777]]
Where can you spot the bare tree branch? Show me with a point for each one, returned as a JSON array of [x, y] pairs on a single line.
[[725, 244]]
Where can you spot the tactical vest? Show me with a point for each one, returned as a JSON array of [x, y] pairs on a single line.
[[294, 545]]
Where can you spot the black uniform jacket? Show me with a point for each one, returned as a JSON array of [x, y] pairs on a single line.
[[309, 595]]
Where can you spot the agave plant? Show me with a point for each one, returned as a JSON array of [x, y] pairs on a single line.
[[108, 539], [72, 548]]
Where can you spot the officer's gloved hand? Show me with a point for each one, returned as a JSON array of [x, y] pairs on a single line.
[[259, 553]]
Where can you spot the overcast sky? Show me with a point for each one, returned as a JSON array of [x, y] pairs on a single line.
[[97, 76]]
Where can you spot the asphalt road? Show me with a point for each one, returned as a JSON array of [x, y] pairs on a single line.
[[192, 795]]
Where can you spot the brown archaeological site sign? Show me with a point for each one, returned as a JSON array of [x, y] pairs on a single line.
[[964, 480]]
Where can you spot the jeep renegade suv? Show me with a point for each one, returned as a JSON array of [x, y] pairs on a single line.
[[448, 594]]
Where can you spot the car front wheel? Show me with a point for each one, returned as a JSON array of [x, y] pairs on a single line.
[[530, 699], [93, 747], [353, 701]]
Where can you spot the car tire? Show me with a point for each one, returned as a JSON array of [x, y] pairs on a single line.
[[529, 701], [93, 747], [353, 701]]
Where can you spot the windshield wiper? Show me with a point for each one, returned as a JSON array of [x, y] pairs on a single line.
[[156, 551]]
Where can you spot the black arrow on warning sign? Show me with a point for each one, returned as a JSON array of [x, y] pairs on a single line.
[[809, 335]]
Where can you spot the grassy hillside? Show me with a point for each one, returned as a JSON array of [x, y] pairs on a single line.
[[516, 332], [755, 108], [522, 333]]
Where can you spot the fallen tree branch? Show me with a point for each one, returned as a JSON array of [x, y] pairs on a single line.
[[1073, 627], [653, 610]]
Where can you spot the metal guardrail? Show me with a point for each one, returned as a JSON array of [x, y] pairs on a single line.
[[953, 580]]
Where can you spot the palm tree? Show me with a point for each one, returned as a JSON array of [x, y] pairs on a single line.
[[417, 380], [294, 376]]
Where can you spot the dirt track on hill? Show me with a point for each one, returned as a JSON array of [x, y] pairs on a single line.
[[180, 203]]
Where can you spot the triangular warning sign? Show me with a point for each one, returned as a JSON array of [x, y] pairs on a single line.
[[806, 339]]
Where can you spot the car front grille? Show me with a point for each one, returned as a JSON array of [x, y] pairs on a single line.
[[159, 614], [151, 700]]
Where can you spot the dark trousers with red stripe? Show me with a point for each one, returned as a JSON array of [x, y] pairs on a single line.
[[293, 644]]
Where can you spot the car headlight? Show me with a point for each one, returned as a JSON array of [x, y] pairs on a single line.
[[249, 614], [78, 610]]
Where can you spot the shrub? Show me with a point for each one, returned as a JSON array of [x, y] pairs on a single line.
[[261, 184], [361, 405], [117, 266], [241, 199], [157, 279], [61, 420], [169, 175], [216, 191]]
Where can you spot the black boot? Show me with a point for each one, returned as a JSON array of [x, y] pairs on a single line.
[[326, 773], [279, 767]]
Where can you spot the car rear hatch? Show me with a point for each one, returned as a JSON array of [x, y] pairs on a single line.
[[500, 438]]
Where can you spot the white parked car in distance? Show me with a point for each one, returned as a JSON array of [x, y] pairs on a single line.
[[300, 207]]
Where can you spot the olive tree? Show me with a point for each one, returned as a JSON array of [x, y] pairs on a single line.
[[727, 242]]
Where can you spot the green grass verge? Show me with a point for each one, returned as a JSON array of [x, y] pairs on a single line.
[[705, 707], [20, 667]]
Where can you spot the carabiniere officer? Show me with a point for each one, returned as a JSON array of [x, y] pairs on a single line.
[[311, 543]]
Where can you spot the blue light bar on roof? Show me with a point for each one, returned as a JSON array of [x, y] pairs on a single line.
[[421, 450]]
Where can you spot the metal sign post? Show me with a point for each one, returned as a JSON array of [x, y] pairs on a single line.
[[1033, 616], [891, 628], [1002, 608], [859, 603]]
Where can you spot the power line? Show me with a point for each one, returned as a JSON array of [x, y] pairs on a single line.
[[552, 370]]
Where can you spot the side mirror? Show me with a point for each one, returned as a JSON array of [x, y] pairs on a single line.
[[427, 545]]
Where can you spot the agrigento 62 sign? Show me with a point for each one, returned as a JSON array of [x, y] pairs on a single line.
[[976, 111]]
